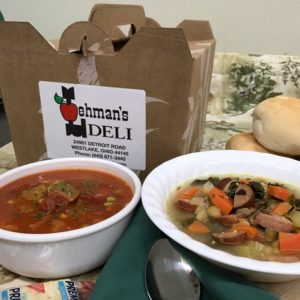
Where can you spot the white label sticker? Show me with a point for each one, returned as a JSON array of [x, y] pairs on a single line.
[[95, 121]]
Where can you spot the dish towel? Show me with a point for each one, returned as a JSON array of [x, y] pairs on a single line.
[[122, 277]]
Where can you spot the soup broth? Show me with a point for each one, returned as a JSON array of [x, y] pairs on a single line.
[[62, 200], [244, 216]]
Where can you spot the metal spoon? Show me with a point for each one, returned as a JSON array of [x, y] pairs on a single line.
[[168, 276]]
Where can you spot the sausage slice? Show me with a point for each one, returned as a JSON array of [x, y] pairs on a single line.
[[185, 205], [231, 238], [244, 196], [274, 222], [222, 183], [228, 220]]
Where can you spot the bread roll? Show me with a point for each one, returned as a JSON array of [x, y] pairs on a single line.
[[276, 124], [246, 141]]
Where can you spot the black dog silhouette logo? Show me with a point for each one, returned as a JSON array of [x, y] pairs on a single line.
[[69, 112]]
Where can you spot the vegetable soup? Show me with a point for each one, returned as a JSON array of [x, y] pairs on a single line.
[[55, 201], [245, 216]]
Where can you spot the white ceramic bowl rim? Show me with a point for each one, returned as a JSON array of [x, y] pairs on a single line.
[[163, 179], [72, 234]]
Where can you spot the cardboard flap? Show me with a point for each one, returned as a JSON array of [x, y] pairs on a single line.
[[151, 22], [85, 38], [196, 30], [110, 16], [20, 39], [163, 44]]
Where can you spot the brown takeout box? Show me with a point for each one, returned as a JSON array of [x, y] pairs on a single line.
[[172, 65]]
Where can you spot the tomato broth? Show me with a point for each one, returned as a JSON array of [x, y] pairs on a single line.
[[61, 200]]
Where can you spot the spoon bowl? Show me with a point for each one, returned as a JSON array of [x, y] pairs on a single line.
[[168, 276]]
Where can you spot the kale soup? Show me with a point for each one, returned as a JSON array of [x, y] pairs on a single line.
[[245, 216], [62, 200]]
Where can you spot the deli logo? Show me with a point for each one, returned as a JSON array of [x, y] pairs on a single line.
[[70, 113]]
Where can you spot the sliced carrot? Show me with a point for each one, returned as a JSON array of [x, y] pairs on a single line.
[[251, 231], [198, 227], [189, 193], [289, 243], [281, 208], [221, 200], [279, 192]]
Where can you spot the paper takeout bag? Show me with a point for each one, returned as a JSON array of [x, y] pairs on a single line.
[[172, 65]]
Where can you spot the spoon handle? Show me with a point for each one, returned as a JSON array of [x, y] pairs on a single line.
[[168, 275]]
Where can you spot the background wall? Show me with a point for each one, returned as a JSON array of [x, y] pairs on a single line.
[[245, 26]]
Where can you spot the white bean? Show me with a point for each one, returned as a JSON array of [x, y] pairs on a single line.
[[214, 212], [207, 187], [202, 215]]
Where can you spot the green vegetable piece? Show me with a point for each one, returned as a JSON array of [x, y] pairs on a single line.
[[35, 193], [58, 99], [90, 183], [232, 189], [76, 210], [66, 190], [294, 215], [270, 235], [296, 203], [40, 215], [198, 181], [213, 180], [110, 199], [258, 190]]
